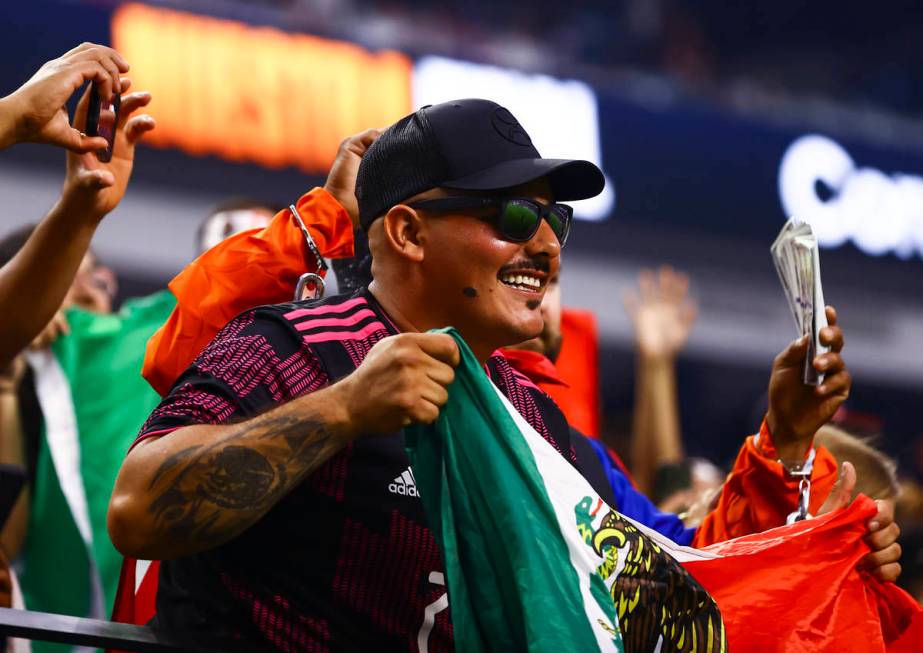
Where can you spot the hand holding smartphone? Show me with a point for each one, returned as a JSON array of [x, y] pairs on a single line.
[[102, 118]]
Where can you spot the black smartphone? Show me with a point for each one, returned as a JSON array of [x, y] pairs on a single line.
[[102, 117], [12, 480]]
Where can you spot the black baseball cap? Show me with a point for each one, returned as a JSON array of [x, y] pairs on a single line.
[[470, 144]]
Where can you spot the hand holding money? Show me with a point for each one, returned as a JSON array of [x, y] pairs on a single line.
[[797, 410], [797, 261]]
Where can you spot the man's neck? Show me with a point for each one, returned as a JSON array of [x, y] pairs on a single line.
[[391, 306], [408, 319]]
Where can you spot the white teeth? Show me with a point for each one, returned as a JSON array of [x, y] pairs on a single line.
[[522, 281]]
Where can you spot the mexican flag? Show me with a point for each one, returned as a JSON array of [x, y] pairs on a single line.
[[536, 561], [93, 401]]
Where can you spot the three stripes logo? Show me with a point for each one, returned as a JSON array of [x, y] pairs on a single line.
[[350, 320], [404, 485]]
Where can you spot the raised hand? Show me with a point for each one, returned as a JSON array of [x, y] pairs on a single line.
[[797, 410], [403, 380], [37, 111], [93, 188], [341, 181], [661, 312]]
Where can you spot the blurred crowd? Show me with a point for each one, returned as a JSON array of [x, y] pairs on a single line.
[[710, 48], [51, 282]]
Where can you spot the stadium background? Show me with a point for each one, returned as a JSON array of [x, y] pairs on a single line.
[[689, 107]]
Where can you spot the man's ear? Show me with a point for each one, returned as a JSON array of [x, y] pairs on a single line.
[[404, 231]]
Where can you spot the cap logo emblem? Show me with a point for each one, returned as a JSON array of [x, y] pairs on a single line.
[[509, 128]]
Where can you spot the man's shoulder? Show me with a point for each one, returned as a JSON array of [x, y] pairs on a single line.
[[335, 309], [336, 319], [336, 332]]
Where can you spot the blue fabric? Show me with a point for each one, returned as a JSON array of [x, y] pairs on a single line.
[[632, 503]]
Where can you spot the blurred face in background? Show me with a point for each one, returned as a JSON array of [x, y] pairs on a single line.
[[548, 342], [224, 224], [94, 287]]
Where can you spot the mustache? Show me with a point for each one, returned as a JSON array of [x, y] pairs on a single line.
[[539, 264]]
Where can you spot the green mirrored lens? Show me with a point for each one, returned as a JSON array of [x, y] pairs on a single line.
[[519, 221], [559, 219], [556, 222]]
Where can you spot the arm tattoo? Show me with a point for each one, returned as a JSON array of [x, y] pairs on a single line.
[[210, 493]]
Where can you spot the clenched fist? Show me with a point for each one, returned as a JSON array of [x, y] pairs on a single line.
[[402, 380], [341, 181]]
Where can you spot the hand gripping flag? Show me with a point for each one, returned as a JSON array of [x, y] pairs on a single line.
[[535, 561]]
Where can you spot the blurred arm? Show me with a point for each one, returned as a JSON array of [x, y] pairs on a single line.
[[662, 315], [656, 437], [12, 452], [33, 284]]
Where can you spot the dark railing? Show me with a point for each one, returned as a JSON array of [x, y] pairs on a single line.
[[77, 631]]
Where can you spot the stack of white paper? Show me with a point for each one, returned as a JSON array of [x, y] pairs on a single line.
[[797, 261]]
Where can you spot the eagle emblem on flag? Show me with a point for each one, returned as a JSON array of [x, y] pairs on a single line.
[[659, 605]]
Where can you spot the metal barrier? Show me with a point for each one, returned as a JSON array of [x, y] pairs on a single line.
[[77, 631]]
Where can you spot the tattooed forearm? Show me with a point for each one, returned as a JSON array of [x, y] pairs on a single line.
[[207, 494]]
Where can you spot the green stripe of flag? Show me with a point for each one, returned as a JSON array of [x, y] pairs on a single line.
[[519, 576], [95, 374]]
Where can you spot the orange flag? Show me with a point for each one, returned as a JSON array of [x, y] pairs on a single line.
[[796, 589], [254, 267]]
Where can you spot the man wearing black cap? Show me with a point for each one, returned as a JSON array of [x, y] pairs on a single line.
[[273, 479]]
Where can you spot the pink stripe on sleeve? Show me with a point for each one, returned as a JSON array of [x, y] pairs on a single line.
[[355, 318], [330, 336], [324, 310], [153, 434]]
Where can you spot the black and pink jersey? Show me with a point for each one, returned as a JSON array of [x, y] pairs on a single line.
[[347, 560]]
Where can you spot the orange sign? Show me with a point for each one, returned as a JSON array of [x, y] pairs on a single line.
[[256, 94]]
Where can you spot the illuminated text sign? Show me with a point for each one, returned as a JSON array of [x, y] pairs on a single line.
[[256, 94], [820, 183]]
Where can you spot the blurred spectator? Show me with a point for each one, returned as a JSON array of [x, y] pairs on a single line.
[[113, 346], [230, 217], [809, 49], [688, 488], [47, 268], [93, 290], [876, 473], [662, 314]]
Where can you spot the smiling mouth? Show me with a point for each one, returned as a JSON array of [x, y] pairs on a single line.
[[523, 282]]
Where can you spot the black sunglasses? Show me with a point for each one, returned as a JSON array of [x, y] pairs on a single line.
[[517, 220]]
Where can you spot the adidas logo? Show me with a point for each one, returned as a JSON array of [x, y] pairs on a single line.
[[404, 485]]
